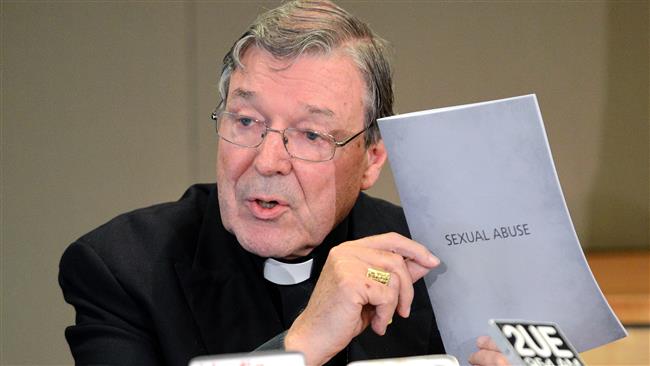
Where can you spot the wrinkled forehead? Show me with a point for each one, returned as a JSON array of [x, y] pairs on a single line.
[[346, 50], [329, 85]]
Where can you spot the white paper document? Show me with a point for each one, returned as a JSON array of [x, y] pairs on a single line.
[[479, 189]]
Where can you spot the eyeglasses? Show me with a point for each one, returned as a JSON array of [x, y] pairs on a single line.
[[300, 143]]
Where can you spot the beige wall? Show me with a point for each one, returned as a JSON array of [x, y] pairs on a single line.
[[105, 109]]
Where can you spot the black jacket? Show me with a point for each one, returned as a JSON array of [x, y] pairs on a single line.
[[166, 283]]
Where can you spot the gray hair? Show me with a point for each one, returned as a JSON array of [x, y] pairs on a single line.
[[320, 27]]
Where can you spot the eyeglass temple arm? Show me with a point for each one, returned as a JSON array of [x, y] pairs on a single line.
[[346, 141]]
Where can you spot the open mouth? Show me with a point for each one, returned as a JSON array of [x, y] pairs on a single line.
[[266, 204], [267, 207]]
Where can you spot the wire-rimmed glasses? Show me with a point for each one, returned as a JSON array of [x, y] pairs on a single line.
[[303, 144]]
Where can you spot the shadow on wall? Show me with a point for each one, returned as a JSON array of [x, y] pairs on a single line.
[[619, 215]]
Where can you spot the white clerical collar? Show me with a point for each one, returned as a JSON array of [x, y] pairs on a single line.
[[287, 273]]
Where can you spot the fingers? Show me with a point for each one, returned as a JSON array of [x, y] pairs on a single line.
[[485, 342], [410, 250], [405, 259], [488, 358], [356, 301], [384, 298], [488, 353], [401, 279], [419, 261]]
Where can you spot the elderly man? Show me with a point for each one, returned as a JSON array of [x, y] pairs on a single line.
[[284, 252]]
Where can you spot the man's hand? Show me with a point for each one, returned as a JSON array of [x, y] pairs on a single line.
[[488, 354], [345, 301]]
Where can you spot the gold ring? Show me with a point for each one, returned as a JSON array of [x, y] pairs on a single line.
[[378, 275]]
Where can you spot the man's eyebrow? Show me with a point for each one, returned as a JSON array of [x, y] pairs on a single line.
[[243, 93], [312, 109]]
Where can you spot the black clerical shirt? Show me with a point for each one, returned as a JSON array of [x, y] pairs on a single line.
[[164, 284]]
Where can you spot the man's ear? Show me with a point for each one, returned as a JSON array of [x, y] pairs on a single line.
[[376, 155]]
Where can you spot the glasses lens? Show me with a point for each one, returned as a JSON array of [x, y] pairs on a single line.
[[309, 145], [240, 130]]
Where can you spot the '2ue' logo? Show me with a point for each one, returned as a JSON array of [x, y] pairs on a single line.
[[539, 344]]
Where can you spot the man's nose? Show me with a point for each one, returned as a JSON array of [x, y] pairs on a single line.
[[272, 157]]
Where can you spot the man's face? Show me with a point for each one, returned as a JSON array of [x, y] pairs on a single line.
[[279, 206]]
